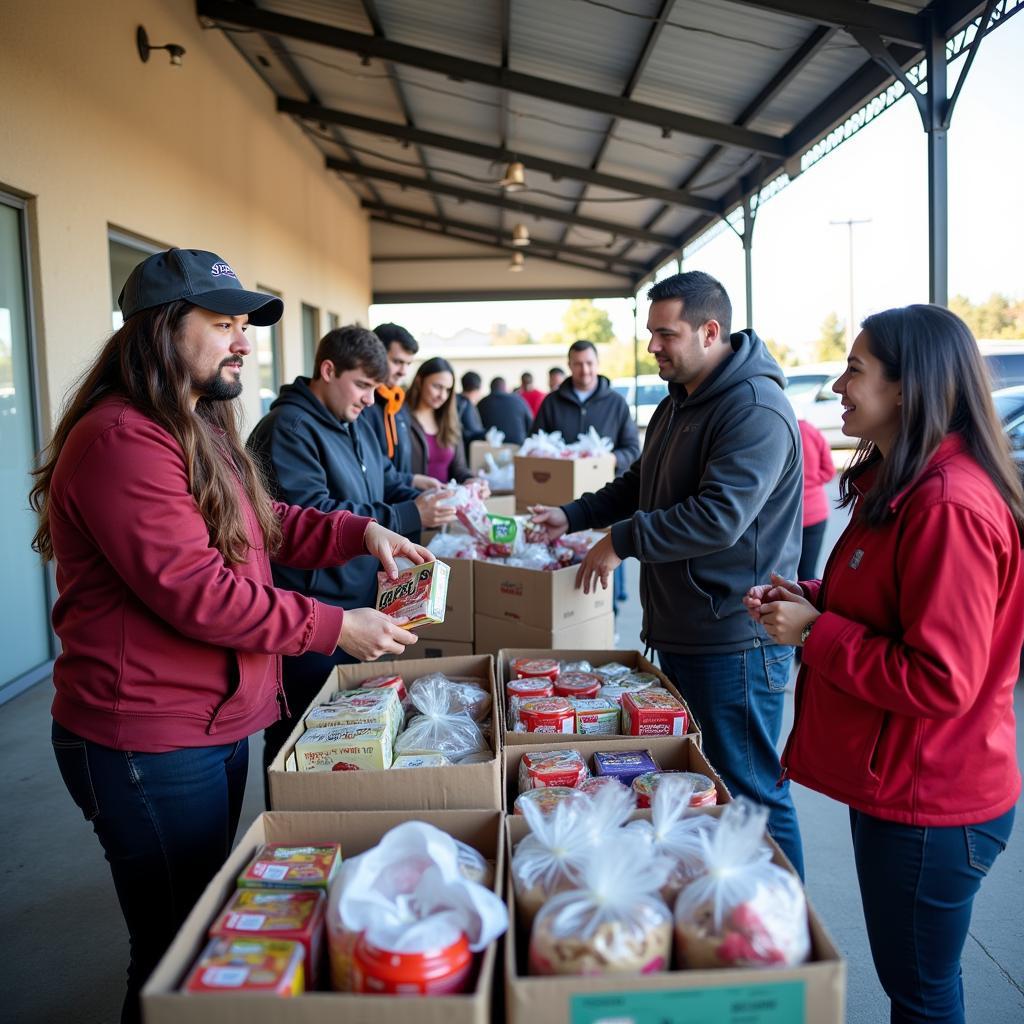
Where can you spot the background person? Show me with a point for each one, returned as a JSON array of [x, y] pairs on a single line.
[[818, 471], [171, 629], [436, 440], [508, 412], [469, 418], [555, 377], [388, 415], [911, 648], [528, 393]]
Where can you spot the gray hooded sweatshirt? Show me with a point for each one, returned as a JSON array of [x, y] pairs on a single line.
[[711, 507]]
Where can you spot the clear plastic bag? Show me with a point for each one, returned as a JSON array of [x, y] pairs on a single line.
[[436, 728], [494, 437], [745, 910], [462, 695], [590, 445], [614, 922], [499, 478], [544, 445]]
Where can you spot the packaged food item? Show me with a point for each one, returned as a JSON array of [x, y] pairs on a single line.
[[703, 792], [540, 769], [612, 670], [270, 966], [286, 866], [443, 970], [469, 695], [359, 707], [596, 716], [296, 916], [577, 684], [391, 682], [577, 666], [473, 866], [420, 761], [547, 714], [596, 783], [344, 748], [613, 922], [417, 597], [547, 798], [625, 765], [653, 714], [518, 690], [436, 728], [744, 911], [531, 668], [639, 680]]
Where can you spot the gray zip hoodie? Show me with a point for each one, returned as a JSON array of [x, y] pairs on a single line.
[[711, 507]]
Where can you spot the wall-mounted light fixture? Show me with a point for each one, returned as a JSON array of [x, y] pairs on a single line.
[[520, 235], [515, 265], [515, 177], [144, 46]]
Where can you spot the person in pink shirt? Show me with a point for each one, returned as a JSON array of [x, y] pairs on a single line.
[[818, 470]]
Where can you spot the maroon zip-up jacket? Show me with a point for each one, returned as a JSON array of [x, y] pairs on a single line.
[[164, 645]]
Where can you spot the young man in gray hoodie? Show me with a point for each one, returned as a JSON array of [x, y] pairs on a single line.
[[712, 505]]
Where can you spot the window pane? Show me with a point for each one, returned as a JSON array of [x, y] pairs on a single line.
[[310, 334], [268, 355], [333, 321], [124, 258]]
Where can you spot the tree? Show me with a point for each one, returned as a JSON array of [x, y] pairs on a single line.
[[584, 321], [831, 343], [999, 317], [784, 355]]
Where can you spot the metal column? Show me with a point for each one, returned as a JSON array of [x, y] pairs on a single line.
[[936, 125]]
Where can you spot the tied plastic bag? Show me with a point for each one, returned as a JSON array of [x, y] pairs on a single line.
[[470, 510], [745, 910], [461, 695], [494, 437], [454, 545], [544, 445], [410, 893], [675, 833], [499, 478], [590, 445], [436, 727], [614, 922]]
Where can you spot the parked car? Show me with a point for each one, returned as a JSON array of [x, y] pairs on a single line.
[[650, 390], [1009, 403], [809, 389], [1005, 361]]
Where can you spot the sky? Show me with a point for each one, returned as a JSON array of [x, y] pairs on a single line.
[[801, 261]]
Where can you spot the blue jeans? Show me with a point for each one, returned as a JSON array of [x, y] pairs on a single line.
[[738, 701], [166, 823], [918, 887], [619, 586]]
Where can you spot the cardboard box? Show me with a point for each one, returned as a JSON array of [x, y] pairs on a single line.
[[501, 504], [543, 599], [357, 831], [559, 481], [494, 634], [680, 753], [502, 454], [811, 993], [428, 647], [634, 659], [458, 608], [454, 786]]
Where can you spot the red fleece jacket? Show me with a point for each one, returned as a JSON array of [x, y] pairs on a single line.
[[164, 645]]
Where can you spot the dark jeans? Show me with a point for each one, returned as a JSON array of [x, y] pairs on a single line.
[[918, 887], [738, 701], [813, 535], [619, 586], [166, 823]]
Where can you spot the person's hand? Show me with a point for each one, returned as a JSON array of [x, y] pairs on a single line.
[[785, 615], [422, 482], [485, 488], [433, 515], [388, 545], [548, 522], [599, 564], [368, 634], [756, 596]]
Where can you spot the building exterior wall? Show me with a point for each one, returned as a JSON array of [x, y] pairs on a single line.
[[193, 156]]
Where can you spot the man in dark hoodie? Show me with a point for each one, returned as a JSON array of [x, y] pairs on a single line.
[[506, 411], [711, 506], [318, 451]]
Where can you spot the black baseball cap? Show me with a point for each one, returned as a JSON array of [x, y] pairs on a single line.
[[199, 277]]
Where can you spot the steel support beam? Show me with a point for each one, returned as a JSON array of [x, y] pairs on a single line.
[[501, 294], [231, 13], [894, 25], [936, 128], [498, 154]]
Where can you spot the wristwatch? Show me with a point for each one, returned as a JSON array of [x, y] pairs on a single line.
[[806, 632]]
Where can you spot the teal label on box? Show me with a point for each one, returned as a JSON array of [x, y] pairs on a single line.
[[780, 1002]]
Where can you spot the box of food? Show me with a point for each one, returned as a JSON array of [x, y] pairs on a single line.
[[653, 713], [345, 748], [248, 965], [596, 716], [541, 481], [285, 866], [375, 706], [624, 765], [417, 597], [164, 1001]]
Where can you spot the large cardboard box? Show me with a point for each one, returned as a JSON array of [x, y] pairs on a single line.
[[458, 607], [502, 454], [673, 753], [558, 481], [494, 634], [452, 786], [357, 831], [533, 597], [634, 659], [811, 993]]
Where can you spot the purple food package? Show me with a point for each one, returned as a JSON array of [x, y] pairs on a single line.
[[625, 765]]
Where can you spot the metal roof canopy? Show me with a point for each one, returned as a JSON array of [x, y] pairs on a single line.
[[642, 123]]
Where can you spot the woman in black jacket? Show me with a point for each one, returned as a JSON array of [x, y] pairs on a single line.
[[436, 437]]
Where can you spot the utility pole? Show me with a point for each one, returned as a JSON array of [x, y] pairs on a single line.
[[850, 329]]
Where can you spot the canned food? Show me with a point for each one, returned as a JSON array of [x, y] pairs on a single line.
[[704, 792], [548, 798], [546, 768], [529, 668], [594, 785], [519, 690], [441, 971], [548, 714], [577, 684]]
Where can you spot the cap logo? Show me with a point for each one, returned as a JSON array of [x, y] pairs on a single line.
[[223, 270]]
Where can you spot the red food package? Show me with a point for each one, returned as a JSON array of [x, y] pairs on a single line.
[[386, 682], [417, 596], [544, 768], [653, 713], [270, 966]]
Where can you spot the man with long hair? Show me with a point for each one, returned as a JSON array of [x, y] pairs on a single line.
[[171, 628]]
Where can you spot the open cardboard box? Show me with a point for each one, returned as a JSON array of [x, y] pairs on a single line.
[[634, 659], [811, 993], [673, 753], [541, 481], [540, 598], [503, 454], [451, 786], [357, 831]]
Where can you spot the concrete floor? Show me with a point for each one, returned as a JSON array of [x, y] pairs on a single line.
[[65, 947]]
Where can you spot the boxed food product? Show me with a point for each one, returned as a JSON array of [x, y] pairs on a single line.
[[295, 916], [393, 682], [417, 596], [344, 748], [420, 761], [624, 765], [270, 966], [287, 866], [647, 713], [378, 706], [596, 716], [543, 768]]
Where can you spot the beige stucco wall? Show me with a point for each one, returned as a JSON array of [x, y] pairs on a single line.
[[192, 156]]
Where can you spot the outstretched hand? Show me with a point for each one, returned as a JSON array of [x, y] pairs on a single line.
[[387, 546]]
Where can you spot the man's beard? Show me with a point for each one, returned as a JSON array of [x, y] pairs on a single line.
[[216, 388]]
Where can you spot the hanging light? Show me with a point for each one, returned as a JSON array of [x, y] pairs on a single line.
[[515, 177], [517, 262], [520, 235]]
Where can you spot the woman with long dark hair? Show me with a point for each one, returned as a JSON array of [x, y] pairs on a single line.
[[171, 629], [911, 648], [437, 449]]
